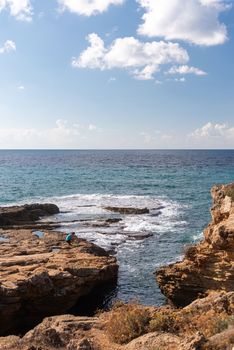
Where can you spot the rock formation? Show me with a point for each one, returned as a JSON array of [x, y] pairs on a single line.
[[128, 210], [25, 214], [90, 333], [210, 264], [44, 276]]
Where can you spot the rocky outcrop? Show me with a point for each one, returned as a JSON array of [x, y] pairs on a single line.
[[210, 264], [128, 210], [25, 214], [200, 326], [41, 275]]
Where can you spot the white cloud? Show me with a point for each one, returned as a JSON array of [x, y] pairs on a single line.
[[87, 7], [20, 87], [159, 139], [212, 135], [180, 80], [195, 21], [20, 9], [186, 70], [141, 59], [8, 46], [61, 135], [214, 130]]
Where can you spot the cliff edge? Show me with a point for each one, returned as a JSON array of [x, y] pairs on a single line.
[[209, 265]]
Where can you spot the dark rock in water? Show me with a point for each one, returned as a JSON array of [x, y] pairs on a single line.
[[98, 224], [113, 220], [128, 210], [156, 214], [139, 236], [90, 248], [103, 223], [25, 214]]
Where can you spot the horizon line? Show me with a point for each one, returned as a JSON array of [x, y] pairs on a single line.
[[116, 149]]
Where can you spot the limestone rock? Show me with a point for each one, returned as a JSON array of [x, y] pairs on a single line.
[[44, 276], [210, 264]]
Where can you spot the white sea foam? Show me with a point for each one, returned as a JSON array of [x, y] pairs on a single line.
[[198, 237], [80, 212]]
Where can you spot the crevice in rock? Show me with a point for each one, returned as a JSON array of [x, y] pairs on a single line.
[[101, 298]]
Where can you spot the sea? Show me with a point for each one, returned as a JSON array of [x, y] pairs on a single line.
[[173, 184]]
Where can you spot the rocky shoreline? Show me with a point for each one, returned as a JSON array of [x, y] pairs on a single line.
[[208, 265], [41, 275]]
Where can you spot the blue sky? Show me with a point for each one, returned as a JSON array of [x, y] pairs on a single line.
[[116, 74]]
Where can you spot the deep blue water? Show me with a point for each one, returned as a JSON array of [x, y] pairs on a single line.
[[177, 181]]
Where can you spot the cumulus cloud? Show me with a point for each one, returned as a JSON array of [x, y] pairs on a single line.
[[61, 135], [87, 7], [20, 9], [214, 130], [8, 46], [194, 21], [185, 70], [212, 135], [141, 59]]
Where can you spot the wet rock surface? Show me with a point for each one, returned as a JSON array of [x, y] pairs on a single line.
[[210, 264], [128, 210]]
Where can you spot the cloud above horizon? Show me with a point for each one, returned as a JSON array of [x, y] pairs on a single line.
[[211, 130], [7, 47], [62, 134], [213, 135], [87, 7], [140, 59], [20, 9], [193, 21], [74, 135]]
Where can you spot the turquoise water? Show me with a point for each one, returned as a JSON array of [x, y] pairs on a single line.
[[174, 185]]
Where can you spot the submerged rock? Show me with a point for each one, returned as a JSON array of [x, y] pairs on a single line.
[[128, 210], [210, 264]]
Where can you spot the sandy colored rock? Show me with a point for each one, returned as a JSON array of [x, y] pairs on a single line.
[[44, 276], [208, 265]]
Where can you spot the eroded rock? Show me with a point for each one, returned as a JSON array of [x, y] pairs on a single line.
[[38, 280], [210, 264]]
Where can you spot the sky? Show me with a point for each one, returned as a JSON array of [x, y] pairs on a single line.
[[116, 74]]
